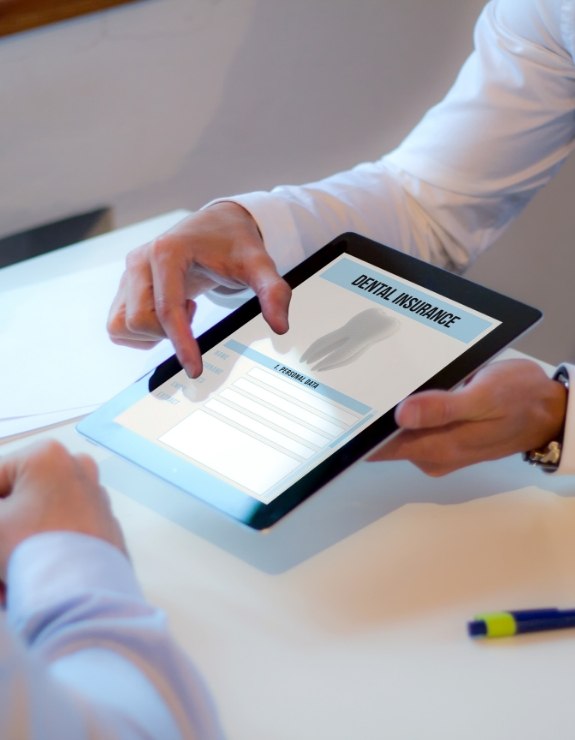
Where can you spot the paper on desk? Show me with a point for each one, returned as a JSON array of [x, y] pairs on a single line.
[[23, 424], [57, 356]]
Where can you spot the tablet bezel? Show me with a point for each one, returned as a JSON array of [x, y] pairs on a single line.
[[515, 317]]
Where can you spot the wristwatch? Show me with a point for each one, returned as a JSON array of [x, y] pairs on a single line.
[[548, 457]]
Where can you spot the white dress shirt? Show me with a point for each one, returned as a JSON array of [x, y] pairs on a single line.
[[83, 655], [466, 170]]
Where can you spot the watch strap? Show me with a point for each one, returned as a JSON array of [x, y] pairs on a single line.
[[548, 457]]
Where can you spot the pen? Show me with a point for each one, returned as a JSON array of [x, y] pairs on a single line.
[[508, 623]]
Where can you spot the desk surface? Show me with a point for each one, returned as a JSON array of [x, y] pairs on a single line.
[[347, 619]]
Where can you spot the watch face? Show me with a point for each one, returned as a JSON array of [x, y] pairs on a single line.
[[547, 457], [562, 376]]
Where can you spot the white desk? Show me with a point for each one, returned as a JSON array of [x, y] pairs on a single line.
[[347, 620]]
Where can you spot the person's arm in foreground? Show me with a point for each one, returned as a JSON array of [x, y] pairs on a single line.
[[82, 654]]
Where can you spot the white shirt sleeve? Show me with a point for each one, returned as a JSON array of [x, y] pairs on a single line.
[[85, 656], [468, 168]]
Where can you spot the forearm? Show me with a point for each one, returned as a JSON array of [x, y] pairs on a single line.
[[374, 199], [32, 705], [98, 650]]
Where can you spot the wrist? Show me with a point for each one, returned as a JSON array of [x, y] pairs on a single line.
[[48, 568], [236, 211], [547, 456], [238, 221]]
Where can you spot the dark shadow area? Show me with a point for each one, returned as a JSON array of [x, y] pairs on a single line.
[[62, 233]]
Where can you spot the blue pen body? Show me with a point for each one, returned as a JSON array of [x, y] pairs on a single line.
[[516, 622], [539, 620]]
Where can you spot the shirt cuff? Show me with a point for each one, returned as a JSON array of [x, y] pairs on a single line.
[[567, 462], [52, 567]]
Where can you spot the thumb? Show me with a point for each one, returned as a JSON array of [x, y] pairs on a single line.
[[439, 408]]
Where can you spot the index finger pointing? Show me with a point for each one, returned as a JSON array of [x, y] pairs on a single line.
[[174, 310]]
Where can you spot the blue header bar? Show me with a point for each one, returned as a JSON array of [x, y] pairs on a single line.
[[405, 299], [316, 387]]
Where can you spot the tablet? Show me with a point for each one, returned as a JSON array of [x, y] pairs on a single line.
[[274, 418]]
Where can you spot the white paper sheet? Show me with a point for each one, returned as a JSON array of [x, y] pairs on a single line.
[[24, 424]]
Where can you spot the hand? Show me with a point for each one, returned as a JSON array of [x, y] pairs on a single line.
[[44, 488], [507, 407], [220, 245]]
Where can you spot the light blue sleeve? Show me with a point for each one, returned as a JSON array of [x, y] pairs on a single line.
[[83, 655]]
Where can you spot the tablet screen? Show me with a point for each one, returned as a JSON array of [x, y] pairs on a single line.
[[269, 410]]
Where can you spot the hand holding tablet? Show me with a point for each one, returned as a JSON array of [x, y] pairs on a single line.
[[274, 418]]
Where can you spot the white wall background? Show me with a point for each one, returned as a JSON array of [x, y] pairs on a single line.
[[167, 103]]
